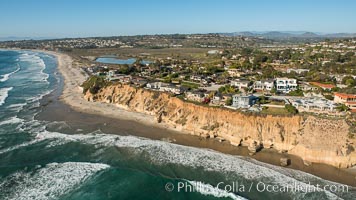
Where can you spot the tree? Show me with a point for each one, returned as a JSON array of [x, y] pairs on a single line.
[[349, 81], [342, 108], [227, 89], [228, 102], [291, 109]]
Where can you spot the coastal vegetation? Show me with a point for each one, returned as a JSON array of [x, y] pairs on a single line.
[[94, 83]]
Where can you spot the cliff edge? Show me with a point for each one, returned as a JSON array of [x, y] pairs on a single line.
[[312, 138]]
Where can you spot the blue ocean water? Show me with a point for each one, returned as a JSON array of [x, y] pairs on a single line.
[[38, 163]]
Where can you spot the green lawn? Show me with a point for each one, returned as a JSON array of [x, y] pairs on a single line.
[[190, 84], [275, 111]]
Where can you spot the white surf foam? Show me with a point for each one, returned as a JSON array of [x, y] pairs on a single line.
[[35, 61], [25, 144], [12, 120], [49, 182], [163, 153], [4, 93], [6, 77]]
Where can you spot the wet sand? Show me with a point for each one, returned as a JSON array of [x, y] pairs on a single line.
[[83, 117]]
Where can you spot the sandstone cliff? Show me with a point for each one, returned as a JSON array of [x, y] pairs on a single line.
[[313, 139]]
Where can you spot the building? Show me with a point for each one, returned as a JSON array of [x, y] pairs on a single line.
[[285, 85], [351, 105], [314, 104], [298, 71], [164, 87], [213, 52], [323, 86], [171, 88], [234, 72], [195, 96], [156, 85], [307, 87], [240, 83], [263, 85], [220, 99], [344, 98], [241, 101]]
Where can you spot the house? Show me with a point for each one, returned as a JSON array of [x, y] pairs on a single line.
[[171, 88], [263, 85], [344, 98], [164, 87], [138, 81], [240, 83], [155, 85], [196, 78], [285, 85], [220, 99], [324, 86], [305, 86], [213, 52], [234, 72], [314, 104], [195, 96], [241, 101], [298, 71], [123, 78]]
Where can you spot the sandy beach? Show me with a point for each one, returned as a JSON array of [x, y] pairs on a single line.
[[72, 94]]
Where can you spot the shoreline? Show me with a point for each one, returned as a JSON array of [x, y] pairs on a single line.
[[71, 96]]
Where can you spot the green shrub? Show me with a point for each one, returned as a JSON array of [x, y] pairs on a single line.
[[291, 109], [94, 84]]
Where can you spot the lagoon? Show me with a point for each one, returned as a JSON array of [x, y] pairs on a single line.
[[111, 60]]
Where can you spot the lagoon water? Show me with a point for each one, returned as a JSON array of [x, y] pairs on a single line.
[[110, 60], [39, 160]]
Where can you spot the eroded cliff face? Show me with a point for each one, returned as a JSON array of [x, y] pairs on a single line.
[[313, 139]]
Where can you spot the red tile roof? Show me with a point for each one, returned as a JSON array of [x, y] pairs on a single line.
[[344, 95]]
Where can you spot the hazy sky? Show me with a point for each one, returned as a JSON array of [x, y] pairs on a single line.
[[79, 18]]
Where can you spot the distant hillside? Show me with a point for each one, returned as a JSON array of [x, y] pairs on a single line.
[[290, 34]]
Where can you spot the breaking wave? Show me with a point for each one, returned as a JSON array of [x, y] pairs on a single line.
[[4, 93], [162, 153], [49, 182], [6, 77]]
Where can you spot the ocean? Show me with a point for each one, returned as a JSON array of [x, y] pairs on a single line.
[[43, 159]]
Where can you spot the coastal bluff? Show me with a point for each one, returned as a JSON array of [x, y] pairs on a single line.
[[314, 139]]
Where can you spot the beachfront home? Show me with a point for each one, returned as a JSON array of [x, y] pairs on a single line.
[[285, 85], [243, 101], [195, 96], [263, 85], [155, 85], [240, 83], [314, 104], [171, 88], [344, 98], [220, 99]]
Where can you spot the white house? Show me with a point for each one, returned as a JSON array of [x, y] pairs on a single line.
[[264, 85], [314, 104], [285, 85], [240, 83]]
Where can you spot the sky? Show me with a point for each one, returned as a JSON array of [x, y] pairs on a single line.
[[86, 18]]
